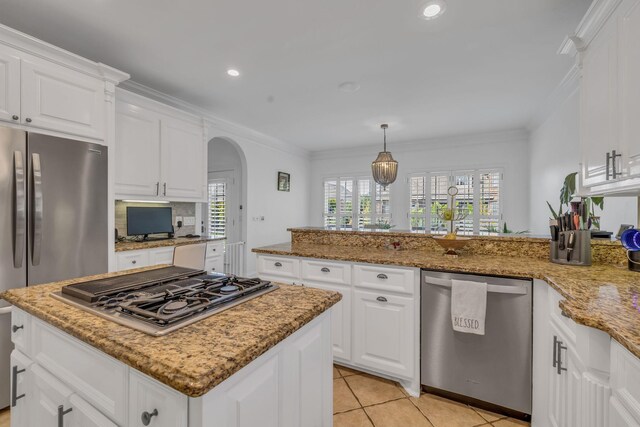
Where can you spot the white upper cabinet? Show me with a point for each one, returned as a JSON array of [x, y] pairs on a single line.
[[160, 151], [630, 87], [137, 154], [610, 99], [57, 98], [598, 118], [182, 153], [9, 84]]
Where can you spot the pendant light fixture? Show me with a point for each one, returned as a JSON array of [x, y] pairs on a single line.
[[384, 168]]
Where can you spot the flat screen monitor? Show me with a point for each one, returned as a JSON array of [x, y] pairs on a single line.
[[143, 221]]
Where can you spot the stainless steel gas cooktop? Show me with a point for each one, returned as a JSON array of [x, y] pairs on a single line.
[[160, 301]]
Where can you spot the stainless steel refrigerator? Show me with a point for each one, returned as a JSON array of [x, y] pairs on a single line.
[[53, 217]]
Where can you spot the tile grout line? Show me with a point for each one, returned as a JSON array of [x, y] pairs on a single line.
[[420, 410], [359, 403]]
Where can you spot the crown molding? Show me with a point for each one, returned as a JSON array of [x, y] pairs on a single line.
[[592, 22], [214, 123], [569, 84], [43, 50], [453, 141]]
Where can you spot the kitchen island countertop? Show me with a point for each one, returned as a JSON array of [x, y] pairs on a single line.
[[601, 296], [197, 357], [130, 245]]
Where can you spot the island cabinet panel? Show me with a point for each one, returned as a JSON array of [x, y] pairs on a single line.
[[49, 394], [94, 376], [21, 389], [625, 380], [9, 84], [384, 333], [148, 399], [21, 330], [619, 416]]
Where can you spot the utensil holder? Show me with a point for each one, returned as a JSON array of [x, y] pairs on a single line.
[[581, 254]]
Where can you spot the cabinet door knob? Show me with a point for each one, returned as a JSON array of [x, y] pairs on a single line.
[[15, 117], [382, 276], [28, 120], [16, 328], [278, 264], [381, 299], [61, 413], [325, 270], [134, 261], [146, 416]]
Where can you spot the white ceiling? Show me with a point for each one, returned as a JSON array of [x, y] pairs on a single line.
[[484, 65]]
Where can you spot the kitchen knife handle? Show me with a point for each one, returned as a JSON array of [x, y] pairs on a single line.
[[38, 208], [20, 210]]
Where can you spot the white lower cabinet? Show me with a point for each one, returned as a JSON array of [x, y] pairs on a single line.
[[340, 321], [375, 326], [155, 404], [132, 259], [565, 379], [383, 326], [288, 386], [619, 416]]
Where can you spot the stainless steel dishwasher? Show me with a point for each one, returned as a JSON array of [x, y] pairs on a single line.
[[491, 370]]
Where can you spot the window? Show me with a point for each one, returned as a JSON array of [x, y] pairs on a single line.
[[478, 197], [355, 203], [217, 208]]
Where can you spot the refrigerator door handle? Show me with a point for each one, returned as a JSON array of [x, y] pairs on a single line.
[[20, 210], [37, 209]]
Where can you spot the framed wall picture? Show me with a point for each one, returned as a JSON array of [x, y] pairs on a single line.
[[284, 181]]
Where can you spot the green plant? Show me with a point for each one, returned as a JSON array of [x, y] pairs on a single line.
[[505, 230], [566, 194]]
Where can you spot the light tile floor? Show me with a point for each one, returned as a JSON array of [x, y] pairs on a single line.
[[4, 418], [363, 400]]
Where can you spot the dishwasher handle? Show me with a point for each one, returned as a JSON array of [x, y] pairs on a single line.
[[496, 289]]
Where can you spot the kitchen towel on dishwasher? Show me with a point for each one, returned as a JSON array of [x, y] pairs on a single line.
[[468, 306]]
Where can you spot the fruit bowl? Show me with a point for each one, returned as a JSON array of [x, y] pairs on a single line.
[[451, 245]]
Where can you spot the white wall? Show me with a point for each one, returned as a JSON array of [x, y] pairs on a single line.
[[280, 210], [507, 150], [554, 153]]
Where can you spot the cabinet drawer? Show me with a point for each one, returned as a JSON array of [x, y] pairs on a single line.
[[21, 330], [328, 272], [94, 376], [625, 378], [279, 266], [132, 259], [385, 278], [215, 263], [149, 398], [215, 248], [161, 256]]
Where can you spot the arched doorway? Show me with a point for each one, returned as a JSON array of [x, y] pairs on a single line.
[[225, 213]]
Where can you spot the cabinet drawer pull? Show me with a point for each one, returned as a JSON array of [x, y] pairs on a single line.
[[14, 385], [325, 270], [16, 328], [278, 264], [158, 188], [61, 413], [382, 276], [381, 299], [146, 416], [134, 261], [28, 120], [15, 117], [164, 189]]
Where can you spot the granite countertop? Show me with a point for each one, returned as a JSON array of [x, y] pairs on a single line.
[[195, 358], [178, 241], [601, 296]]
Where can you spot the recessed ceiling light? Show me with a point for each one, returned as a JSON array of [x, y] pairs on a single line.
[[233, 72], [349, 87], [433, 9]]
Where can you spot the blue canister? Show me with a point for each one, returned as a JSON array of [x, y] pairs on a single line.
[[631, 239]]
